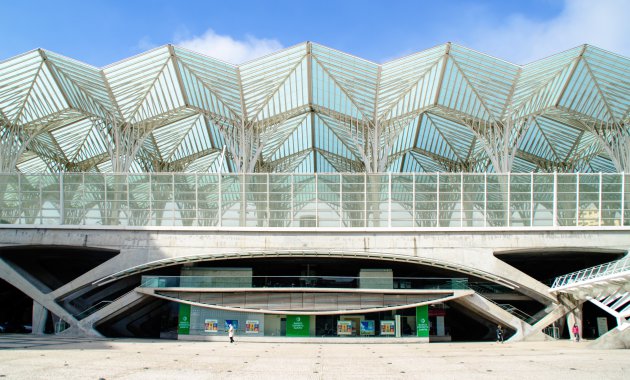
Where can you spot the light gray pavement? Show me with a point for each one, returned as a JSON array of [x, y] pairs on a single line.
[[42, 357]]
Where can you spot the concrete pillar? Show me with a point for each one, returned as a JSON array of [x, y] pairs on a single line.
[[575, 317], [40, 315]]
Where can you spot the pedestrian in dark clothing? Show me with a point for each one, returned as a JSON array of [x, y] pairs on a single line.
[[499, 334]]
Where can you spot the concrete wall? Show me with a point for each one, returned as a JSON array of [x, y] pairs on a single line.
[[468, 251]]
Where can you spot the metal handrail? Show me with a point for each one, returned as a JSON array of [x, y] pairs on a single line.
[[92, 309], [618, 266], [303, 281]]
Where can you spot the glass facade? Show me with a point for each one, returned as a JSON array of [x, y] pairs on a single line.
[[317, 200]]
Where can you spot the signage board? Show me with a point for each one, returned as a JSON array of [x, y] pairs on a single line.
[[183, 325], [298, 325], [422, 321]]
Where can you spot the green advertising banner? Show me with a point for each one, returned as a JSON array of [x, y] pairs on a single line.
[[422, 321], [183, 327], [298, 325]]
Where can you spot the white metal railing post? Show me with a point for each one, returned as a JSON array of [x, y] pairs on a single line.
[[83, 198], [365, 200], [41, 200], [623, 197], [577, 199], [437, 205], [531, 200], [150, 216], [173, 199], [220, 200], [340, 201], [601, 188], [19, 197], [413, 200], [128, 213], [389, 211], [485, 199], [292, 197], [61, 198], [555, 199], [316, 201], [242, 222], [461, 199], [268, 203], [106, 206], [197, 198], [509, 199]]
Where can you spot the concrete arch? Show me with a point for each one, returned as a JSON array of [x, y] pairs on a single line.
[[442, 264]]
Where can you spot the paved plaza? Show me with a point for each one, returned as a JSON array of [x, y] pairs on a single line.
[[32, 357]]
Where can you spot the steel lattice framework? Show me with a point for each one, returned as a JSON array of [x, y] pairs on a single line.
[[310, 109]]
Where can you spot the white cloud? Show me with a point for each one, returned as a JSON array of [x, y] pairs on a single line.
[[145, 44], [602, 23], [229, 49]]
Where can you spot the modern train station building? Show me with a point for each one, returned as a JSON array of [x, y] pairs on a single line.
[[311, 193]]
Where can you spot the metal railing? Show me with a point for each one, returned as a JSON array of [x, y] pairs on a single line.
[[92, 309], [490, 288], [410, 283], [618, 266], [352, 200], [552, 331]]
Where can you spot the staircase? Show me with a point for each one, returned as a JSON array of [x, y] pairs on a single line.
[[606, 285]]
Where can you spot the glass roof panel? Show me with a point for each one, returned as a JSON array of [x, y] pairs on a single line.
[[356, 77], [262, 78], [83, 84], [491, 79], [145, 85], [411, 81], [291, 137], [312, 107], [541, 82], [209, 83]]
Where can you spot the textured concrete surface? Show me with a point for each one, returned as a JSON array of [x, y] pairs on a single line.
[[31, 357]]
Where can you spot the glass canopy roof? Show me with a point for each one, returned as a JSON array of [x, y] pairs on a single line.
[[310, 108]]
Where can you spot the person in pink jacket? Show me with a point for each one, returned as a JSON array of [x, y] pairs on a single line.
[[576, 332]]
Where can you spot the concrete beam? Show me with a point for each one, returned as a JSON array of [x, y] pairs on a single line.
[[10, 275]]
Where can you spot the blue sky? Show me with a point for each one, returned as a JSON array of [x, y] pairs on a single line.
[[102, 32]]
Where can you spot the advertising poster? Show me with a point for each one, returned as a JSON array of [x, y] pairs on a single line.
[[344, 327], [233, 322], [183, 327], [211, 325], [388, 328], [367, 327], [252, 326], [298, 325]]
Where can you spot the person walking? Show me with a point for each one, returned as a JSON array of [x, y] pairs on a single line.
[[576, 332], [499, 334], [231, 333]]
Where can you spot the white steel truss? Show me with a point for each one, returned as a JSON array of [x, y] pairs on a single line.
[[310, 108]]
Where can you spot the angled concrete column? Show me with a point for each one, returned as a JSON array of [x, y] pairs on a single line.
[[494, 313], [40, 314], [47, 301]]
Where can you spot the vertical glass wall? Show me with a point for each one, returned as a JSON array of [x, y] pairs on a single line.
[[317, 200]]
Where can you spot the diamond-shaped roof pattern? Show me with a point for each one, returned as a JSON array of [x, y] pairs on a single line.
[[312, 108]]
